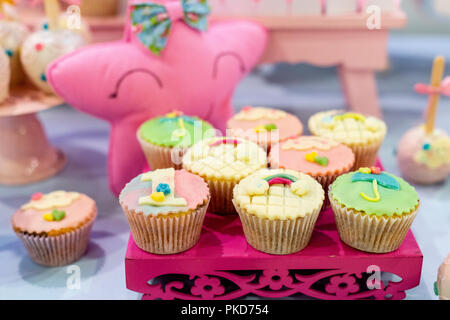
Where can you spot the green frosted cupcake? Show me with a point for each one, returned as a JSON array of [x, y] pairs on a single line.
[[165, 139], [373, 210]]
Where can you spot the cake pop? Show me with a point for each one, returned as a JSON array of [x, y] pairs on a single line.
[[5, 75], [423, 153], [442, 285], [12, 35], [44, 46]]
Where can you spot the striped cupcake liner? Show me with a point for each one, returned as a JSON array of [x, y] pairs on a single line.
[[366, 155], [277, 236], [58, 250], [370, 233], [166, 234], [159, 157]]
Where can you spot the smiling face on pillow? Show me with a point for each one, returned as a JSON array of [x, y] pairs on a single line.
[[126, 83]]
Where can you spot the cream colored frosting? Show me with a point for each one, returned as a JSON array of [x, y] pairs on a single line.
[[438, 154], [78, 208], [443, 279], [52, 45], [52, 200], [279, 201], [347, 127], [5, 75], [224, 161], [12, 34]]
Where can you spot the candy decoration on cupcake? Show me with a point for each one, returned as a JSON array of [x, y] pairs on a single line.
[[376, 177], [257, 113], [315, 158], [55, 215], [163, 189], [261, 186], [219, 142], [265, 128], [181, 119], [51, 200], [342, 116]]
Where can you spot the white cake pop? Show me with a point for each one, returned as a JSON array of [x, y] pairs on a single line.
[[43, 47], [442, 285], [12, 35], [5, 75], [424, 158], [423, 153]]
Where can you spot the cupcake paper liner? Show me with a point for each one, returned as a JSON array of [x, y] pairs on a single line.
[[58, 250], [278, 236], [159, 157], [365, 155], [166, 235], [370, 233], [221, 196]]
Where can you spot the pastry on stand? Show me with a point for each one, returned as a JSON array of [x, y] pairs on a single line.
[[442, 285], [12, 35], [423, 153]]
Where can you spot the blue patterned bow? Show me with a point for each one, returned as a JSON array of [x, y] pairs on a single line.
[[152, 22]]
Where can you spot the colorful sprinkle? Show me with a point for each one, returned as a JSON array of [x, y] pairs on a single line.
[[365, 170], [9, 52], [270, 127], [225, 141], [37, 196], [39, 46], [158, 196], [323, 161], [246, 109], [45, 26], [375, 170], [58, 215], [311, 156], [43, 77], [426, 146], [435, 288], [164, 188], [48, 217]]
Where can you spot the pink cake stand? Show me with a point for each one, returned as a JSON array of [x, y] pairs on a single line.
[[223, 266], [25, 153]]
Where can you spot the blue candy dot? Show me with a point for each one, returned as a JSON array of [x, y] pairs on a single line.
[[163, 187], [45, 26], [426, 146], [9, 52], [43, 77]]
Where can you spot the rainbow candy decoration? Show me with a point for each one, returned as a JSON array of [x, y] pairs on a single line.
[[281, 178]]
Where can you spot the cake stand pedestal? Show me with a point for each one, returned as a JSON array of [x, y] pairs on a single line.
[[25, 153]]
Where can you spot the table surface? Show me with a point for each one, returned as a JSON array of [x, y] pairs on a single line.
[[300, 89]]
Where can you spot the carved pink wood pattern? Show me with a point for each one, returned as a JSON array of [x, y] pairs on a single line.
[[223, 266]]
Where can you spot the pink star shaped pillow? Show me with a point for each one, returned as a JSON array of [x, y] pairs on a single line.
[[126, 83]]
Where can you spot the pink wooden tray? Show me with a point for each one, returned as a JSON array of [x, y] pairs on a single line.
[[223, 266]]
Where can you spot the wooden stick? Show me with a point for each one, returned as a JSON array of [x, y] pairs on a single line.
[[436, 78], [52, 12]]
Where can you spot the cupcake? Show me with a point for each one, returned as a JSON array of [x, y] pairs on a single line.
[[373, 210], [165, 139], [322, 158], [223, 162], [364, 135], [55, 227], [278, 209], [264, 126], [12, 35], [165, 209]]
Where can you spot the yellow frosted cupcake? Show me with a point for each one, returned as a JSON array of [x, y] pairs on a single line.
[[222, 162], [278, 209], [363, 134]]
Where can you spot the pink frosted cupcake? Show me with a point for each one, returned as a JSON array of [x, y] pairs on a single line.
[[55, 227], [322, 158], [264, 126], [165, 209]]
